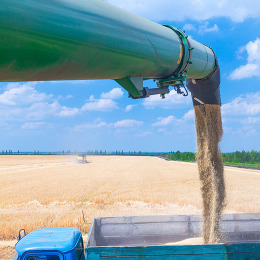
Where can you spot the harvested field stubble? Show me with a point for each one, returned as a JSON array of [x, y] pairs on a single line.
[[7, 250], [48, 191]]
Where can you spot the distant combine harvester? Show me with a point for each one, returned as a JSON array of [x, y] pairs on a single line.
[[81, 158]]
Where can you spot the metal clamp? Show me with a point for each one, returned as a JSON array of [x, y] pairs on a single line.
[[176, 82], [183, 38]]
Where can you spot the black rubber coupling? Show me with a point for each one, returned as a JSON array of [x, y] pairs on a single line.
[[207, 90]]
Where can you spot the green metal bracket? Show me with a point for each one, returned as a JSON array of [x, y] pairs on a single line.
[[132, 85]]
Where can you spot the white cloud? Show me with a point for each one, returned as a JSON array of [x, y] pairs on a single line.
[[41, 110], [60, 97], [68, 111], [172, 99], [206, 29], [115, 93], [244, 105], [236, 10], [246, 71], [246, 130], [92, 98], [144, 133], [251, 121], [23, 102], [33, 125], [162, 130], [252, 68], [105, 103], [100, 105], [242, 114], [189, 27], [11, 113], [182, 125], [127, 123], [129, 108], [16, 94], [240, 52], [189, 115], [96, 124], [164, 121]]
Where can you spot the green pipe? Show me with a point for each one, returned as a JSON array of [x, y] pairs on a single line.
[[90, 39]]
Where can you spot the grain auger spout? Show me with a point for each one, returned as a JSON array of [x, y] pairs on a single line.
[[78, 40]]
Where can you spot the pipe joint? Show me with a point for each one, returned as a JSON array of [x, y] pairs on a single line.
[[184, 40]]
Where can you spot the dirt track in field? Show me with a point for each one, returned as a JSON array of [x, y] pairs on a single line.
[[41, 191]]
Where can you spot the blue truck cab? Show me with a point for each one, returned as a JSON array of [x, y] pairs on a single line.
[[64, 243]]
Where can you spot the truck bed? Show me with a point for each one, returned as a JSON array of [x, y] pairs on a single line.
[[153, 237]]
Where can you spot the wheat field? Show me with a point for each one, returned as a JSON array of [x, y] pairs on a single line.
[[48, 191]]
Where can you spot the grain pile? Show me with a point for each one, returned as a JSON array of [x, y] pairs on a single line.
[[211, 171]]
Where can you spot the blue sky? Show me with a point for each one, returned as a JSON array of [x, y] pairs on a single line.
[[89, 115]]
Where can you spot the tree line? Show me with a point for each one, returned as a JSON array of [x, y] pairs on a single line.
[[235, 157], [89, 152], [178, 156], [242, 157]]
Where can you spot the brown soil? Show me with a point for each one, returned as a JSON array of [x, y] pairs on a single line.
[[211, 170]]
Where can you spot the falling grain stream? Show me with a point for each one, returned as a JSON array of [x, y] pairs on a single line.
[[209, 133]]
